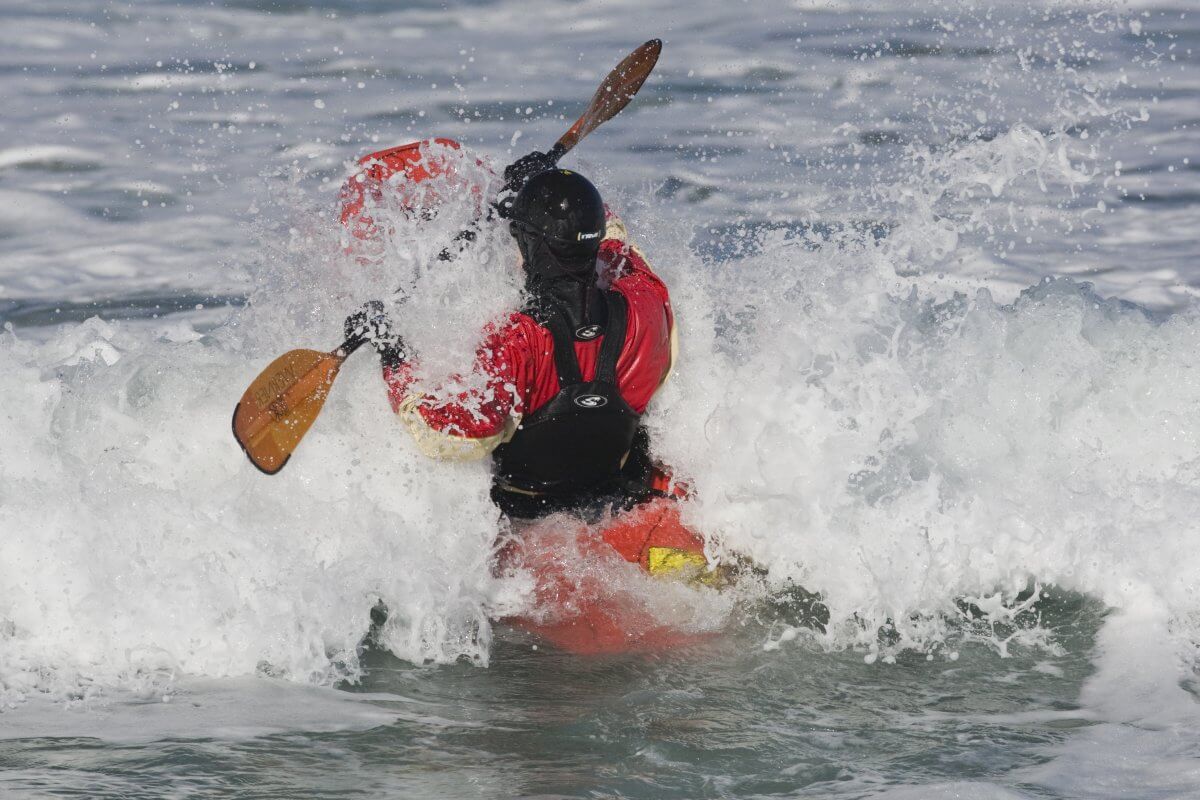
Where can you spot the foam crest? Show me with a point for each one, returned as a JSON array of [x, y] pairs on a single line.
[[141, 545], [896, 446], [937, 211]]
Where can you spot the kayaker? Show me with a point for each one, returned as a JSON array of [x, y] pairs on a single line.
[[558, 388]]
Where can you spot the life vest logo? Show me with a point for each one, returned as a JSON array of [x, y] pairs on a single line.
[[591, 401], [588, 332]]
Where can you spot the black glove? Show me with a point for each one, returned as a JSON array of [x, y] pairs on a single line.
[[371, 323], [518, 173]]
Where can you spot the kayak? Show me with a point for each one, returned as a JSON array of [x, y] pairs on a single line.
[[593, 588], [398, 175]]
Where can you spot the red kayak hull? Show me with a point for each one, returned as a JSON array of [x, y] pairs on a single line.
[[584, 601], [396, 176]]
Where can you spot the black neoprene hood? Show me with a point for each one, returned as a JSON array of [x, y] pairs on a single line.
[[558, 222]]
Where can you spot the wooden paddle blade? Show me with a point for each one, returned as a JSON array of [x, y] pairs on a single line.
[[614, 93], [281, 405]]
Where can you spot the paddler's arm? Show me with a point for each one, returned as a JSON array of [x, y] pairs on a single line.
[[469, 418]]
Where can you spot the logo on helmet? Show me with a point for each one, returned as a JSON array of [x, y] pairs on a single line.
[[588, 332], [583, 237], [591, 401]]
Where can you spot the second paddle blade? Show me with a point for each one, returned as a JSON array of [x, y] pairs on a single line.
[[281, 405], [615, 92]]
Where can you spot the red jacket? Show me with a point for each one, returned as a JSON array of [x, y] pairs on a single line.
[[514, 366], [516, 361]]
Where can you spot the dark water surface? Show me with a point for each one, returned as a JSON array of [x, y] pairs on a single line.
[[720, 719]]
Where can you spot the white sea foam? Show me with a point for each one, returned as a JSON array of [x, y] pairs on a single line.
[[141, 545], [914, 448], [1145, 716]]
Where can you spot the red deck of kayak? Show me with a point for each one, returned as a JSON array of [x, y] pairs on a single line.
[[586, 614]]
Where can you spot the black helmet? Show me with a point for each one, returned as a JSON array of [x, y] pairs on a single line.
[[558, 222]]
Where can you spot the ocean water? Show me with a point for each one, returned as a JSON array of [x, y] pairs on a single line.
[[935, 270]]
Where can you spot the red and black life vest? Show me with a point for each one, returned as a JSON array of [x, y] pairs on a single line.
[[580, 439]]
